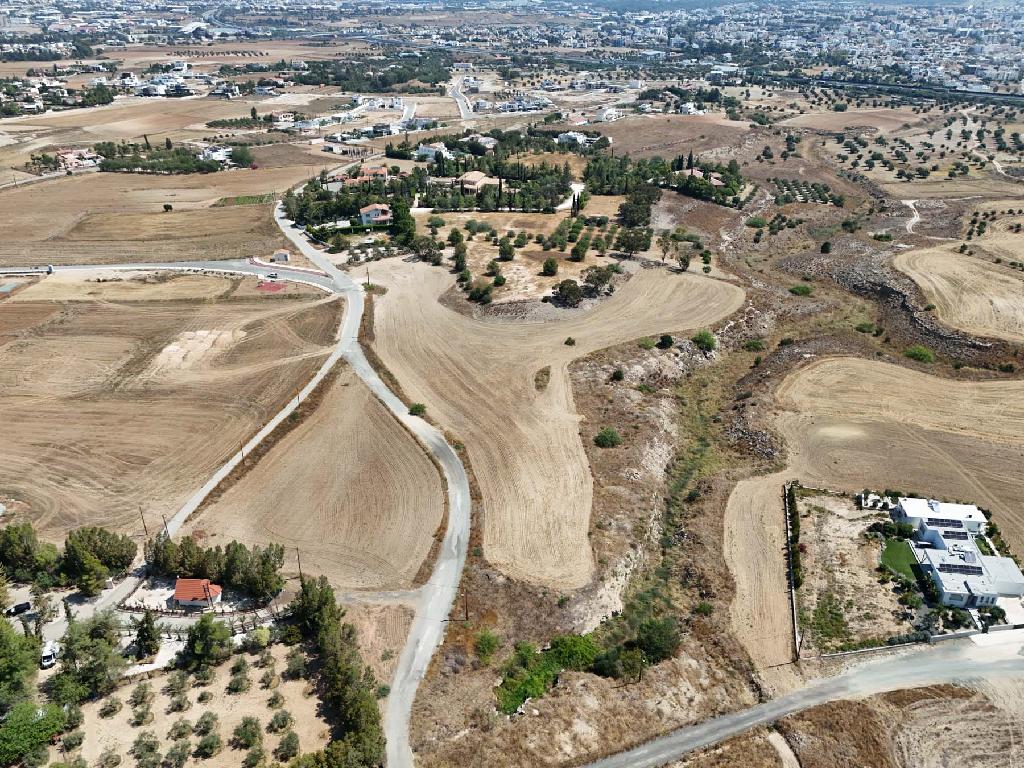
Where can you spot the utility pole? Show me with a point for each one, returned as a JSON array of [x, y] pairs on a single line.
[[298, 558], [465, 595], [167, 531], [144, 527]]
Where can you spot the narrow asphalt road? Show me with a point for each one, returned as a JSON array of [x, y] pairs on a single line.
[[956, 661], [433, 601]]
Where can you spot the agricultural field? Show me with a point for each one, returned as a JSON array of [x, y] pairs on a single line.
[[107, 734], [349, 487], [107, 218], [670, 135], [125, 391], [532, 471]]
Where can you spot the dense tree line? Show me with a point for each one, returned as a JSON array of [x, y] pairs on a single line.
[[90, 556], [377, 76], [255, 571], [347, 685], [315, 204], [174, 161]]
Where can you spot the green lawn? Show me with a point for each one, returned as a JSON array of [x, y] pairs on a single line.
[[897, 555]]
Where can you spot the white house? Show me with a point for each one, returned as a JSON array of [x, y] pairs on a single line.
[[947, 550], [431, 151], [377, 213], [608, 115]]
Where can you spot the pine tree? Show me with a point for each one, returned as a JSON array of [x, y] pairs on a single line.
[[147, 636]]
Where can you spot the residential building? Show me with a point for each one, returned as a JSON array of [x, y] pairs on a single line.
[[376, 213], [196, 593], [474, 181]]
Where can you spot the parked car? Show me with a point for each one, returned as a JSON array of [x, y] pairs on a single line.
[[272, 275], [48, 657], [18, 608]]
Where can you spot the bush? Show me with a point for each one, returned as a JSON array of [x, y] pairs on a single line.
[[550, 268], [608, 437], [202, 676], [296, 665], [181, 729], [108, 759], [417, 409], [665, 341], [570, 341], [142, 715], [288, 747], [486, 644], [110, 707], [705, 341], [239, 683], [801, 290], [73, 740], [209, 746], [281, 721], [756, 222], [826, 247], [141, 694], [177, 755], [204, 697], [920, 353], [646, 343], [179, 703], [618, 374], [207, 723], [703, 608], [754, 345], [269, 679], [241, 665], [145, 743], [247, 733], [257, 640], [276, 700]]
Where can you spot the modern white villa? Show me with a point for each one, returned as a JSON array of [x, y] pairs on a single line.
[[945, 545]]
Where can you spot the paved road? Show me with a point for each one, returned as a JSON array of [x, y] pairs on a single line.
[[433, 601], [955, 661], [455, 91]]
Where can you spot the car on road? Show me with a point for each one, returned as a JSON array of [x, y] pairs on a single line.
[[18, 608], [49, 654], [272, 275]]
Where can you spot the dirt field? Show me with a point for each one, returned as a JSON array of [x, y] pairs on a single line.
[[132, 399], [349, 487], [117, 733], [669, 135], [970, 293], [882, 118], [110, 218], [477, 379]]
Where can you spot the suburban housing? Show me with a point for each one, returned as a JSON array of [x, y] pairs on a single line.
[[945, 545], [195, 593]]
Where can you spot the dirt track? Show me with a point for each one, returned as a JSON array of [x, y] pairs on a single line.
[[349, 487], [112, 405], [477, 379], [969, 293]]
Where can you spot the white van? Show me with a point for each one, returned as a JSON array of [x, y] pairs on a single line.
[[48, 657]]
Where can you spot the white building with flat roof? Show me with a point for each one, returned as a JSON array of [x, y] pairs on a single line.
[[947, 551]]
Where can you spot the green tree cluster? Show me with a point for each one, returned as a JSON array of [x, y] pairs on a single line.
[[255, 571]]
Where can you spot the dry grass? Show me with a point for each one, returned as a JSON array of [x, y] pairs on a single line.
[[112, 404], [669, 135], [349, 487], [477, 379]]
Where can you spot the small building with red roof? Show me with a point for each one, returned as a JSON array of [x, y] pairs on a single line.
[[196, 593]]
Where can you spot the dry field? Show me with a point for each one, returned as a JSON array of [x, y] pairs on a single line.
[[849, 424], [128, 394], [970, 293], [477, 379], [670, 135], [111, 218], [440, 107], [116, 733], [349, 487], [884, 119]]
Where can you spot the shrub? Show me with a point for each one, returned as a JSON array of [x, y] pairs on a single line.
[[608, 437], [179, 703], [73, 740], [109, 759], [801, 290], [665, 341], [276, 700], [269, 679], [202, 676], [254, 758], [142, 715], [177, 755], [209, 746], [920, 353], [296, 665], [757, 222], [570, 341], [177, 683], [258, 639], [826, 247], [181, 729], [550, 268], [141, 694], [705, 341], [281, 721], [207, 723], [486, 644], [753, 345], [618, 374], [110, 707], [239, 683], [204, 697], [417, 409], [241, 665], [247, 733], [288, 747], [703, 608], [145, 743], [499, 281]]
